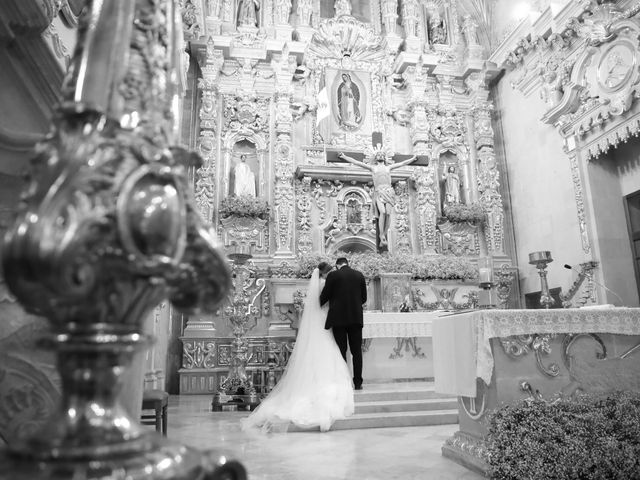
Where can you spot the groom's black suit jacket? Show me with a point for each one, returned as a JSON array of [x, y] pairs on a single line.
[[346, 291]]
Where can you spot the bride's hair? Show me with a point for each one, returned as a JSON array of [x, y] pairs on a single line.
[[324, 267]]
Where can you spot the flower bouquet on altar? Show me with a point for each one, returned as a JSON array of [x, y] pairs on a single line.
[[459, 213], [244, 206]]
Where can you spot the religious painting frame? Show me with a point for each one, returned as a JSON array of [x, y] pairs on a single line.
[[360, 122]]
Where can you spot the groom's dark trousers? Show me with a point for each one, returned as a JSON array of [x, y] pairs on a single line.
[[346, 292]]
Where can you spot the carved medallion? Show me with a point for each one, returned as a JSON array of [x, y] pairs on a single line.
[[616, 65]]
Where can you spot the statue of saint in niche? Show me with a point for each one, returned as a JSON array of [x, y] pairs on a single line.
[[248, 13], [349, 116], [451, 186], [353, 211], [244, 179], [384, 197], [437, 31]]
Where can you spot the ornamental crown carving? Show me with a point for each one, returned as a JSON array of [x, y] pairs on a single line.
[[246, 112], [346, 39], [448, 128]]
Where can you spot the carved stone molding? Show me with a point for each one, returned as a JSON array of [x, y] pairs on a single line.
[[245, 233], [426, 202], [284, 209], [585, 241], [468, 450], [402, 241], [491, 199], [303, 225], [352, 219], [460, 239], [505, 276], [446, 297], [337, 38]]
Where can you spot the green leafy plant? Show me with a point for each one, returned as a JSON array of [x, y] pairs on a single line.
[[418, 266], [244, 206], [587, 438], [458, 212]]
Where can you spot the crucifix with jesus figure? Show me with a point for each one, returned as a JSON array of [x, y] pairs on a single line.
[[384, 197]]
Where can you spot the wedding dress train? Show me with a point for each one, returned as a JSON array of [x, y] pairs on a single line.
[[316, 388]]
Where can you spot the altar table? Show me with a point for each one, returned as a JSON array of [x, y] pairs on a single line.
[[398, 345], [494, 358], [399, 324], [462, 348]]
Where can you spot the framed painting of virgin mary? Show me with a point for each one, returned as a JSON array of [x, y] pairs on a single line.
[[350, 100]]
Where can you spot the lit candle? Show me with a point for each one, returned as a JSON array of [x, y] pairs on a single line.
[[484, 275]]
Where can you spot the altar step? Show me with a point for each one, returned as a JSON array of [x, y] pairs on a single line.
[[403, 404]]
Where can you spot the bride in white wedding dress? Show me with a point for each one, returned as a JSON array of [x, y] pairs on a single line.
[[316, 387]]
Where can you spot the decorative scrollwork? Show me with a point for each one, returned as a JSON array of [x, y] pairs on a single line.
[[569, 340], [519, 345], [198, 354], [409, 344]]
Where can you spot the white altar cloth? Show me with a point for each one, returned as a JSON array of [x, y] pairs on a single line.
[[398, 324], [462, 343]]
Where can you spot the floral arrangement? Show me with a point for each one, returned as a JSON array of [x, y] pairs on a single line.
[[458, 212], [418, 266], [585, 438], [244, 206]]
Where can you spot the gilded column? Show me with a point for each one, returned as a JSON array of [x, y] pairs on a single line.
[[472, 161], [205, 181], [283, 197], [424, 177], [303, 202], [205, 176], [488, 178]]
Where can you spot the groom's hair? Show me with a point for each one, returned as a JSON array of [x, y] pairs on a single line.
[[342, 261]]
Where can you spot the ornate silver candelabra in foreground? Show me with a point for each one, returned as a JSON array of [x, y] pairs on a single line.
[[541, 260], [242, 314], [106, 230]]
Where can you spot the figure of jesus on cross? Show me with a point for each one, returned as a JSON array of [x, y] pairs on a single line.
[[384, 196]]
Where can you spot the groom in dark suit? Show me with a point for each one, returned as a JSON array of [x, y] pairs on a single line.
[[346, 292]]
